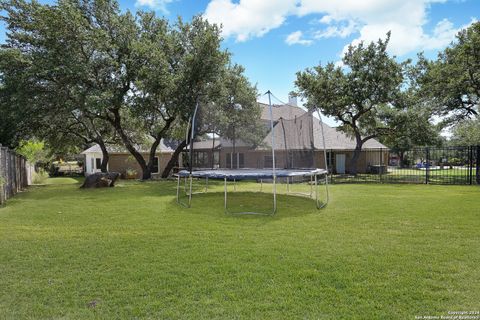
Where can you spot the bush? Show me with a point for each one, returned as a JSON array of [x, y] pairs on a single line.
[[39, 177]]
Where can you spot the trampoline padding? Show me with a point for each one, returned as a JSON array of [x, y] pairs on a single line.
[[251, 174]]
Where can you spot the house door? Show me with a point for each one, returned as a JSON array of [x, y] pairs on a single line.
[[340, 163]]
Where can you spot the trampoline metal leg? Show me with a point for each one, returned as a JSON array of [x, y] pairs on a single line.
[[261, 185], [190, 193], [311, 186], [274, 194], [186, 205], [288, 185], [178, 189], [225, 192]]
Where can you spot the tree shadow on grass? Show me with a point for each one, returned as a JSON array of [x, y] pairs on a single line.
[[212, 203]]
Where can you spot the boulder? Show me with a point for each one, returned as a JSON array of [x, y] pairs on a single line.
[[101, 180]]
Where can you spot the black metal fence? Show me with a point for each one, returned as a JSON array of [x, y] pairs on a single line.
[[458, 165], [15, 173]]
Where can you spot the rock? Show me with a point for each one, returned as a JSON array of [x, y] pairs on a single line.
[[101, 180]]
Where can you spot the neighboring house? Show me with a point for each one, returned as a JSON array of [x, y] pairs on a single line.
[[219, 152], [120, 160]]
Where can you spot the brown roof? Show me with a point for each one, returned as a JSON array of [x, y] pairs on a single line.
[[334, 138], [165, 146]]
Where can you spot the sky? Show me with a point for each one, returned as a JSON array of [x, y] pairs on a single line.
[[274, 39]]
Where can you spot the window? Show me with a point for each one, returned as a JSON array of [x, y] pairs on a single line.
[[330, 159], [98, 163], [216, 159], [235, 160], [155, 165], [268, 162], [200, 159], [228, 161], [241, 160]]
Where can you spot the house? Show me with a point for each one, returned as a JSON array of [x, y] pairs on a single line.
[[120, 160], [217, 152]]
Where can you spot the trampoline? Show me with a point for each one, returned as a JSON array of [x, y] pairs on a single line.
[[276, 147], [257, 175]]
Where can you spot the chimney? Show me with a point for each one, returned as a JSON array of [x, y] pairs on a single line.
[[292, 101]]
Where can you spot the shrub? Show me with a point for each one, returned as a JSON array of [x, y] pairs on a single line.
[[130, 173], [39, 177]]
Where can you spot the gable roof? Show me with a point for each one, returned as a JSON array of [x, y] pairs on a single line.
[[334, 138], [165, 146]]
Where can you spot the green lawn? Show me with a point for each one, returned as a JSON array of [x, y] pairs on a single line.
[[376, 252]]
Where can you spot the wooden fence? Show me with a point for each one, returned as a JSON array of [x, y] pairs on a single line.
[[15, 173]]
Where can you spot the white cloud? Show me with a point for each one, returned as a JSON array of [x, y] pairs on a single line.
[[340, 30], [160, 5], [248, 18], [296, 38], [370, 19]]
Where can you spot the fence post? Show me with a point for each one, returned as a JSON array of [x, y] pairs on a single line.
[[427, 164], [3, 179], [470, 164], [477, 173], [381, 165]]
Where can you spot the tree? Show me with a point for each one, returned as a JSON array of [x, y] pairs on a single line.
[[452, 82], [13, 127], [37, 75], [357, 94], [34, 151], [466, 133], [230, 103], [138, 73], [412, 128]]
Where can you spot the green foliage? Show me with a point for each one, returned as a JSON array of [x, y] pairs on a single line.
[[233, 112], [357, 95], [99, 75], [39, 177], [35, 151], [466, 133], [452, 81], [412, 128]]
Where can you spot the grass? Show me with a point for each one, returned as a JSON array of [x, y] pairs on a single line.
[[376, 252]]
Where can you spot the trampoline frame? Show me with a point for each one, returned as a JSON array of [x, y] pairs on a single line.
[[312, 173]]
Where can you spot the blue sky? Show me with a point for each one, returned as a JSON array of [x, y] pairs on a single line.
[[273, 39]]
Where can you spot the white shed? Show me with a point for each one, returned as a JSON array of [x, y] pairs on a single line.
[[93, 159]]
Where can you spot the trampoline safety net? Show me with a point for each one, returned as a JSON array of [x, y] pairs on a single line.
[[269, 142]]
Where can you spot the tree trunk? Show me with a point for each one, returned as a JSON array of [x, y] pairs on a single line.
[[116, 122], [356, 154], [151, 156], [174, 159], [105, 156], [401, 154]]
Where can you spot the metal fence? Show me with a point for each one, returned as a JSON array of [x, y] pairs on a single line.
[[458, 165], [15, 173]]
